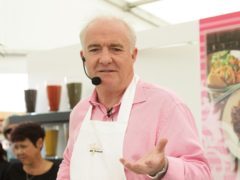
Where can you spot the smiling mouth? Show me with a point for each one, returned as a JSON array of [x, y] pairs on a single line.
[[106, 71]]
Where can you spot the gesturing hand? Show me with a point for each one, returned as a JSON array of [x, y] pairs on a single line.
[[150, 163]]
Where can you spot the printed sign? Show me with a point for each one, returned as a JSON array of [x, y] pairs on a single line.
[[220, 78]]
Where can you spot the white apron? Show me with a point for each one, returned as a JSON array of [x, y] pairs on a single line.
[[99, 144]]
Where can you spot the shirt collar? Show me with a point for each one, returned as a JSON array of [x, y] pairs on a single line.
[[140, 95]]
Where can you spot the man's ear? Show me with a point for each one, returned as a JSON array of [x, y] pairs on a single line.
[[134, 54], [81, 54], [82, 57]]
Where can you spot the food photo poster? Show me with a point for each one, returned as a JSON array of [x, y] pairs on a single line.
[[220, 93]]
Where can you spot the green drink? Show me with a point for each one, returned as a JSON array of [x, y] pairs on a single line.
[[74, 90]]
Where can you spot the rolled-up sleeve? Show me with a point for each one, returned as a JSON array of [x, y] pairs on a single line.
[[184, 151]]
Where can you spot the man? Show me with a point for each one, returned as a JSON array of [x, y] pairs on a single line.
[[127, 129], [27, 141]]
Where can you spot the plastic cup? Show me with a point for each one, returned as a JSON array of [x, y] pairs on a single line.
[[74, 90], [30, 99], [54, 96], [51, 141]]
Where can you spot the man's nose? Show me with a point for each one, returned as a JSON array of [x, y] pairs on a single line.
[[105, 57]]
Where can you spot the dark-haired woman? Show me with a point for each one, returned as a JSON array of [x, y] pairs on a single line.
[[27, 142]]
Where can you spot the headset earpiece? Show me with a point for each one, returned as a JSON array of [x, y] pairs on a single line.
[[83, 59], [95, 80]]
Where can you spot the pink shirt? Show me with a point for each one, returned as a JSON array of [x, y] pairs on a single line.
[[156, 113]]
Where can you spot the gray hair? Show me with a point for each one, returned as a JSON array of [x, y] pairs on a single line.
[[131, 32]]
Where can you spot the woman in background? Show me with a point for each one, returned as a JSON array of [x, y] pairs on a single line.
[[27, 142]]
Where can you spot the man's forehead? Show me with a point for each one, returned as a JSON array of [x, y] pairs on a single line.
[[109, 31]]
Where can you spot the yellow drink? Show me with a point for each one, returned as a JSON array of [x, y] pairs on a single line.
[[51, 139]]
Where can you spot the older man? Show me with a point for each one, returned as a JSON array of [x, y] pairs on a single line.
[[127, 129]]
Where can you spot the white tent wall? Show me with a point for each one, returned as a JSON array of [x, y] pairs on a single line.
[[27, 24], [13, 65]]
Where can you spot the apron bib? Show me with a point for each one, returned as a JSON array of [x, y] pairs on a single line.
[[99, 144]]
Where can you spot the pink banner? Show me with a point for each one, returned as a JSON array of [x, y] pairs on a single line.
[[220, 78]]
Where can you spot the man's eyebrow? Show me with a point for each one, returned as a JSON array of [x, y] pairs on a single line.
[[93, 46], [111, 45], [116, 45]]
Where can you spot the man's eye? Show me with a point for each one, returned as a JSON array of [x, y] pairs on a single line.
[[93, 50], [116, 49]]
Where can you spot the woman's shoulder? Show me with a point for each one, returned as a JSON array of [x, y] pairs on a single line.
[[56, 164], [52, 172], [15, 165], [15, 171]]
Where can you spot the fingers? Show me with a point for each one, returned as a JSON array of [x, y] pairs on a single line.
[[133, 167], [150, 162], [123, 161], [161, 145], [126, 163]]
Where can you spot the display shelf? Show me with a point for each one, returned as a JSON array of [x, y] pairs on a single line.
[[42, 118]]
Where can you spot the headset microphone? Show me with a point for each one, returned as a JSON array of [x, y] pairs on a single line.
[[95, 80]]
